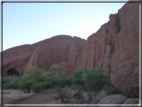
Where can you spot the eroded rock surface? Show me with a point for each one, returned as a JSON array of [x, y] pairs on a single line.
[[113, 99], [61, 48], [119, 99], [115, 48]]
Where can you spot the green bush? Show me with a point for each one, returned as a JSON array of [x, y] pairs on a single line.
[[49, 76], [89, 79], [59, 76], [35, 74], [93, 78], [66, 81], [6, 81], [37, 87], [11, 82], [58, 67], [32, 76], [77, 77], [110, 89], [26, 85], [47, 85]]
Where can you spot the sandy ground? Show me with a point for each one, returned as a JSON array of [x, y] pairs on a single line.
[[41, 99], [12, 95], [19, 97]]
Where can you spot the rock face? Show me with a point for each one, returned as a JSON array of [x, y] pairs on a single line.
[[113, 99], [115, 48], [61, 48], [118, 99]]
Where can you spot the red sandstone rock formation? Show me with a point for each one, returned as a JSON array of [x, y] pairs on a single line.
[[115, 48], [118, 99], [62, 48]]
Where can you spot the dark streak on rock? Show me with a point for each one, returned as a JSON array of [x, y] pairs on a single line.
[[117, 19], [86, 64], [76, 61], [106, 41], [110, 62]]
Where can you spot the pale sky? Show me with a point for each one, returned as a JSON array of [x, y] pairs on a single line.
[[28, 23]]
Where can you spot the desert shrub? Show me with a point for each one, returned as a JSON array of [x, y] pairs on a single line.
[[6, 81], [14, 83], [77, 77], [32, 76], [58, 73], [49, 76], [93, 78], [58, 67], [59, 77], [55, 74], [37, 87], [46, 85], [65, 81], [35, 74], [64, 94], [98, 96], [89, 79], [110, 89], [11, 82], [26, 82], [26, 85]]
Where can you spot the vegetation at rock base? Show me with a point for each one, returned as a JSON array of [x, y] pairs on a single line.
[[91, 83], [11, 82]]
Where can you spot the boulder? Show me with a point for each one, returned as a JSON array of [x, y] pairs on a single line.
[[132, 101], [119, 99], [113, 99], [75, 94]]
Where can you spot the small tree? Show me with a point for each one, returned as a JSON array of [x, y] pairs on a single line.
[[58, 77], [59, 67], [77, 77], [35, 74], [56, 73], [32, 76], [11, 82], [37, 87], [49, 76], [93, 78], [46, 85], [26, 85]]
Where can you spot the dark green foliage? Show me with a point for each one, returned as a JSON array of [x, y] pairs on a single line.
[[26, 85], [67, 80], [36, 77], [110, 89], [11, 82], [77, 77], [32, 76], [35, 74], [89, 79], [39, 80], [46, 84], [59, 67], [37, 87], [93, 78], [49, 76]]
